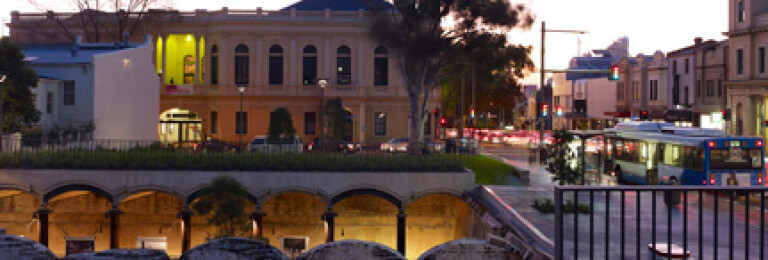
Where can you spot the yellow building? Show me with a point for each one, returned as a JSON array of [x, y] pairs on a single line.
[[277, 57]]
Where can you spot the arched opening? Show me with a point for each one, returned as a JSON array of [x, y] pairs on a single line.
[[368, 218], [17, 212], [434, 219], [180, 126], [150, 220], [309, 65], [77, 221], [202, 230], [292, 222]]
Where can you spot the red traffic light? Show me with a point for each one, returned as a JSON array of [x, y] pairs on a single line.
[[442, 120], [614, 73]]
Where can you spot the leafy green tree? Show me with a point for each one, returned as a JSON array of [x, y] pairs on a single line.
[[225, 200], [424, 47], [18, 101], [559, 157], [280, 124]]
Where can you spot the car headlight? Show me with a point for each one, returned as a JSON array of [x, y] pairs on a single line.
[[350, 146]]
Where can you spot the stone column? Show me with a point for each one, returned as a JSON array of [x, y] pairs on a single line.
[[329, 216], [42, 216], [186, 228], [165, 54], [114, 224], [258, 216], [197, 41], [401, 232]]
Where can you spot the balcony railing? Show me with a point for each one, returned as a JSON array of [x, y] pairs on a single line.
[[688, 219]]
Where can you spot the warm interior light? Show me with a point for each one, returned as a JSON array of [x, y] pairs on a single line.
[[711, 144], [759, 143]]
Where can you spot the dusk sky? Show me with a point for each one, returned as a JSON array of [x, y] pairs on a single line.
[[650, 24]]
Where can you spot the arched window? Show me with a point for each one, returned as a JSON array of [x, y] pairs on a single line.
[[343, 65], [380, 66], [241, 64], [214, 65], [309, 65], [275, 65]]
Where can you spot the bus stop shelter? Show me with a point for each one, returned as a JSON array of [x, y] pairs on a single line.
[[583, 136]]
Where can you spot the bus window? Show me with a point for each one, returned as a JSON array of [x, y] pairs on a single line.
[[673, 155], [628, 151], [735, 158]]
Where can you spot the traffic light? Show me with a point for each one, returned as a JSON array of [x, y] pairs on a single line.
[[544, 109], [442, 121], [643, 115], [472, 113], [614, 73], [559, 111], [765, 123], [727, 114]]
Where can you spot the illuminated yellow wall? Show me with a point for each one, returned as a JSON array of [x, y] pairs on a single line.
[[179, 46], [201, 60], [366, 218], [433, 220], [293, 214]]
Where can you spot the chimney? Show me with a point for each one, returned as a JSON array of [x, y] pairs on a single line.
[[78, 40], [697, 40]]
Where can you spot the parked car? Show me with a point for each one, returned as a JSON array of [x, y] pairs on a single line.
[[397, 144], [212, 145], [263, 145], [333, 146], [433, 146]]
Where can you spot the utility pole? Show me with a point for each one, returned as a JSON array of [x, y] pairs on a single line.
[[461, 124], [541, 94]]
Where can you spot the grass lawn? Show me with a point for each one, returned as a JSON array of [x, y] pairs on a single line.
[[490, 171]]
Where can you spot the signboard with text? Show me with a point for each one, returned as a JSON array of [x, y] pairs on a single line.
[[171, 89]]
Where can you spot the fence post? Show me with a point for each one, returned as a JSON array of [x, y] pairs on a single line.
[[558, 223]]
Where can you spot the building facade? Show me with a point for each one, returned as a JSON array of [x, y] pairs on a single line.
[[203, 58], [101, 91], [696, 77], [746, 86]]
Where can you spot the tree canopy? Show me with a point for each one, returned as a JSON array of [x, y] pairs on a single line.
[[18, 101], [280, 124], [425, 46], [225, 200]]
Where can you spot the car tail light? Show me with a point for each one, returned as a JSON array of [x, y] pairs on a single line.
[[665, 178], [711, 144], [759, 143], [194, 146], [759, 179], [711, 179], [704, 182]]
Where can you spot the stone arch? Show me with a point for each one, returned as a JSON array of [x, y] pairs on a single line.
[[352, 248], [150, 212], [17, 210], [416, 196], [196, 194], [77, 187], [291, 189], [121, 196], [434, 218], [293, 213], [367, 191]]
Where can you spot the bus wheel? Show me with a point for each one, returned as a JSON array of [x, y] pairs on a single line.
[[619, 174]]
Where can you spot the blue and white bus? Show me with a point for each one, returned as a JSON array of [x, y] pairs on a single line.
[[660, 153]]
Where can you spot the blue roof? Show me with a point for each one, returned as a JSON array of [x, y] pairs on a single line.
[[61, 53], [339, 5]]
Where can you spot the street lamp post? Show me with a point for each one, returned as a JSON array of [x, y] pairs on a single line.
[[241, 89], [322, 83], [3, 76], [548, 115]]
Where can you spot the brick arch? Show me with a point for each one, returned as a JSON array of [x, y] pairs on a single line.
[[77, 187], [367, 191], [263, 199]]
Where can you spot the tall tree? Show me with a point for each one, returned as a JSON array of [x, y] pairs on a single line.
[[560, 157], [424, 46], [225, 200], [18, 101], [281, 124], [101, 20]]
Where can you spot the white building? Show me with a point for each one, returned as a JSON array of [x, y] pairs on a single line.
[[111, 88]]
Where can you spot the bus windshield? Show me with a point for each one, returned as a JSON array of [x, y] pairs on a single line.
[[735, 158]]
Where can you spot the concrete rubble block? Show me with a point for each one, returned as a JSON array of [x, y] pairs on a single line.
[[234, 248], [14, 247], [121, 254], [352, 250], [467, 249]]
